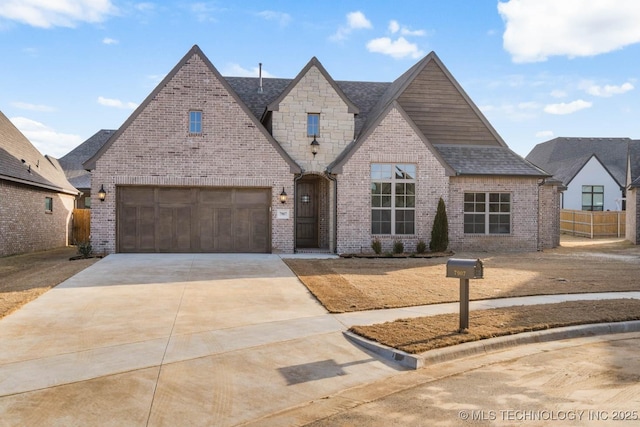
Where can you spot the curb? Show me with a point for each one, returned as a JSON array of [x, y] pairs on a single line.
[[417, 361]]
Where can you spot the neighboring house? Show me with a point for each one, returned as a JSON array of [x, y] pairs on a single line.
[[633, 193], [36, 200], [214, 164], [74, 171], [594, 170]]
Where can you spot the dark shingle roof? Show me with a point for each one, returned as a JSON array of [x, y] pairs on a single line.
[[21, 162], [565, 157], [487, 160], [363, 94], [73, 160], [634, 158]]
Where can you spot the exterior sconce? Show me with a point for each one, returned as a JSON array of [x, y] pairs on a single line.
[[102, 194], [283, 196], [305, 198], [314, 146]]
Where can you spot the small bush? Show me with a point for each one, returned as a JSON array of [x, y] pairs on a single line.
[[421, 247], [85, 249], [398, 247], [376, 245]]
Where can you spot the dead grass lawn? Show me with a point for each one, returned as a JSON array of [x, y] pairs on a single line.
[[24, 278]]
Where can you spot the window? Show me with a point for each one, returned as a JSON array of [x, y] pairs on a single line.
[[393, 198], [195, 122], [313, 124], [48, 204], [592, 197], [487, 213]]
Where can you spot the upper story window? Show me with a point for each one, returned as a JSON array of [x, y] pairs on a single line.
[[487, 213], [592, 197], [48, 204], [195, 122], [393, 198], [313, 124]]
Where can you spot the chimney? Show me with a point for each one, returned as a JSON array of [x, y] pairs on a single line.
[[260, 90]]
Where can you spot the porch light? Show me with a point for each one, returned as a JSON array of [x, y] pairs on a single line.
[[102, 194], [314, 146], [283, 196]]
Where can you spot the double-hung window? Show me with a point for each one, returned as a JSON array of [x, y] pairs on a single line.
[[487, 213], [592, 197], [393, 198], [313, 124], [195, 122]]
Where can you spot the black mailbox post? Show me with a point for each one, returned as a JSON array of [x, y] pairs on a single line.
[[464, 269]]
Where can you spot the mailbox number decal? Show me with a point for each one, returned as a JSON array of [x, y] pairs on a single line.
[[460, 273]]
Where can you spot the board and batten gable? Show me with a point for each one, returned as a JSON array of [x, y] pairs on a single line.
[[393, 140], [154, 148]]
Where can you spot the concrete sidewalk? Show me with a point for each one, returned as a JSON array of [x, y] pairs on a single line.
[[187, 339]]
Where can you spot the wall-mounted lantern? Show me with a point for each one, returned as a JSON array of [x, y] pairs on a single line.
[[283, 196], [102, 194], [314, 146]]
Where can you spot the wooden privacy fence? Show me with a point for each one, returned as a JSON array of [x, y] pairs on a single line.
[[593, 224], [81, 226]]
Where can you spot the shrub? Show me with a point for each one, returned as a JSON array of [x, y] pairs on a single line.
[[376, 245], [85, 249], [421, 247], [440, 231], [398, 247]]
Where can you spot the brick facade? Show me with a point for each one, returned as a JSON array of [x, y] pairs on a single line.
[[156, 149], [24, 224], [393, 141], [633, 215]]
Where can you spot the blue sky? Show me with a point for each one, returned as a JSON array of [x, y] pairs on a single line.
[[536, 68]]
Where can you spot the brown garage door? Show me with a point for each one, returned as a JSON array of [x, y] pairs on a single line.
[[177, 219]]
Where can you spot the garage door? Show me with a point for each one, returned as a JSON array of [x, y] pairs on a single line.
[[177, 219]]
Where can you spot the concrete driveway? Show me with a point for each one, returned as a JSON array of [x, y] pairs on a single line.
[[176, 339]]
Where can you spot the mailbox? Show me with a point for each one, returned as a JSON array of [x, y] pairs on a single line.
[[465, 268]]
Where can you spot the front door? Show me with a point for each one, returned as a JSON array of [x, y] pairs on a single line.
[[307, 213]]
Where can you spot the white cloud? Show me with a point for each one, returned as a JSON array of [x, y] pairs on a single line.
[[46, 140], [397, 49], [56, 13], [395, 27], [514, 112], [205, 12], [282, 18], [567, 107], [355, 21], [557, 93], [238, 71], [109, 41], [538, 29], [606, 90], [116, 103], [544, 134], [33, 107]]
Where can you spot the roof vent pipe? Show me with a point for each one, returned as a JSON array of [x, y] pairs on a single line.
[[260, 90]]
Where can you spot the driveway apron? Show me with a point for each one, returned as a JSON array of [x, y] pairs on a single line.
[[174, 339]]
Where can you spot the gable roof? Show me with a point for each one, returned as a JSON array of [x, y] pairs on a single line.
[[275, 104], [634, 162], [21, 162], [565, 157], [195, 50], [72, 161]]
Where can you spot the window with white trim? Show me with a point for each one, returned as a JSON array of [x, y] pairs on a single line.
[[393, 198], [487, 213], [593, 197]]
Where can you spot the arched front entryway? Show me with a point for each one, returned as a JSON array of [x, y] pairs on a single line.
[[313, 214]]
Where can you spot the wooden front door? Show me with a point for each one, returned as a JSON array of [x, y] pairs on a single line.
[[307, 214]]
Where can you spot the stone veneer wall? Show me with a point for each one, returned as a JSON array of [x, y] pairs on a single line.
[[156, 149], [313, 94], [393, 141], [24, 224], [524, 214]]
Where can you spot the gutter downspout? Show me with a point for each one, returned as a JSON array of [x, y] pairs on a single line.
[[335, 210]]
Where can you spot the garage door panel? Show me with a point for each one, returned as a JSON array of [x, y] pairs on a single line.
[[193, 219]]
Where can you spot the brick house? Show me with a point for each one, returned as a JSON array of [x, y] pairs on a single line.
[[214, 164], [36, 200]]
